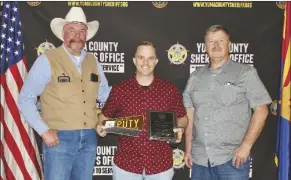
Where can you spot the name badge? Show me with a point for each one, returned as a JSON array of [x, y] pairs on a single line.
[[64, 78]]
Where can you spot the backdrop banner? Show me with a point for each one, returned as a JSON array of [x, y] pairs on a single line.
[[177, 29]]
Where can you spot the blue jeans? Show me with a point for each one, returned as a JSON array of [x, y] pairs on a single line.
[[73, 158], [224, 171], [120, 174]]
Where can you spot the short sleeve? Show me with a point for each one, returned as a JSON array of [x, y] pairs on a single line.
[[177, 103], [186, 94], [256, 92]]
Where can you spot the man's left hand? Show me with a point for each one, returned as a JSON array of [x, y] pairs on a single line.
[[241, 155], [179, 132]]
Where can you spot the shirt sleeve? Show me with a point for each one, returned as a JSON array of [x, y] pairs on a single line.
[[34, 84], [112, 104], [177, 104], [256, 92], [104, 89], [186, 94]]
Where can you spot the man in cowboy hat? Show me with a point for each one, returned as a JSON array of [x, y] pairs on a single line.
[[68, 81]]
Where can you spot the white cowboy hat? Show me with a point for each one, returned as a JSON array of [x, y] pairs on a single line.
[[76, 14]]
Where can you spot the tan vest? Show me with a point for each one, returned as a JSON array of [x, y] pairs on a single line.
[[70, 105]]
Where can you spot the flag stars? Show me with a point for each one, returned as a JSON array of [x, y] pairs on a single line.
[[17, 42], [4, 25], [9, 39], [13, 19], [11, 46], [15, 9], [3, 36]]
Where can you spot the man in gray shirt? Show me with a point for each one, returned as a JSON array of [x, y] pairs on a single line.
[[219, 99]]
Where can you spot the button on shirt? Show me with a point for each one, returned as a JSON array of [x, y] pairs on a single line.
[[128, 98], [222, 100], [36, 80]]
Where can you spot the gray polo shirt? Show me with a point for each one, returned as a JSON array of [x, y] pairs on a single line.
[[222, 100]]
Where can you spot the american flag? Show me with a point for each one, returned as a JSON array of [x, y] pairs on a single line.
[[18, 148]]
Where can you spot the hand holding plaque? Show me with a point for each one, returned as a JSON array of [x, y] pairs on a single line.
[[126, 126], [161, 125]]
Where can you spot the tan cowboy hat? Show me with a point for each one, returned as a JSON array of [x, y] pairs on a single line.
[[76, 14]]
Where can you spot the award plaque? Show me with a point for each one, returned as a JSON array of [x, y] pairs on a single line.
[[126, 126], [161, 125]]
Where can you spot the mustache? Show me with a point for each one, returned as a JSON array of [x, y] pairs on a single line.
[[76, 41], [216, 49]]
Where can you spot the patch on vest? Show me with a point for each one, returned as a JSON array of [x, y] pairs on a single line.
[[63, 79]]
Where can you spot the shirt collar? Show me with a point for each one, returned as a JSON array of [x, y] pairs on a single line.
[[221, 68], [82, 56], [133, 79]]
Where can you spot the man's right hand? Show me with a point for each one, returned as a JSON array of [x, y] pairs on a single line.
[[100, 129], [188, 160], [50, 137]]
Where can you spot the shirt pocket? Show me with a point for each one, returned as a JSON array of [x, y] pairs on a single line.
[[227, 94]]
